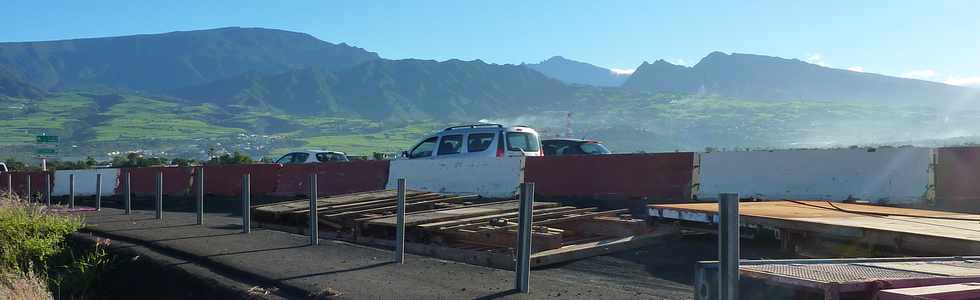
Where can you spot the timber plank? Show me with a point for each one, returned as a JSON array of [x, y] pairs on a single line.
[[458, 213]]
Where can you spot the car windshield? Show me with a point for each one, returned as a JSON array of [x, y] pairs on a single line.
[[424, 149], [299, 158], [522, 141], [594, 148]]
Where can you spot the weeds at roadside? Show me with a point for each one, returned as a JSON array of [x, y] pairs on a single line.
[[34, 252]]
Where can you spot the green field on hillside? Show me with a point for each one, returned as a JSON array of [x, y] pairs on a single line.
[[627, 122]]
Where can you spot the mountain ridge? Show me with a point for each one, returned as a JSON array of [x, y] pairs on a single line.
[[772, 78], [577, 72], [390, 90], [170, 60]]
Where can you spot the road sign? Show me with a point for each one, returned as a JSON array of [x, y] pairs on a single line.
[[47, 151], [47, 139]]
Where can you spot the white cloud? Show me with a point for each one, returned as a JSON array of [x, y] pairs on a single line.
[[919, 74], [622, 71], [973, 81], [679, 61], [856, 69], [816, 59]]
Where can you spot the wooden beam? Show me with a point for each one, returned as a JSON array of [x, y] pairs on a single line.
[[392, 206], [483, 219], [540, 241], [562, 220], [579, 251], [430, 216]]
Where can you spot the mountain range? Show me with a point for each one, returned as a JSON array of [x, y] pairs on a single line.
[[749, 76], [155, 62], [227, 82], [389, 90], [575, 72]]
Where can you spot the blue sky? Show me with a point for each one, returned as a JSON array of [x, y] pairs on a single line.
[[933, 40]]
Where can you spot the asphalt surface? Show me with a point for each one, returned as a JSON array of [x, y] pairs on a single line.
[[284, 261]]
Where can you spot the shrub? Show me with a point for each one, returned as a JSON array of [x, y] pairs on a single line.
[[31, 235]]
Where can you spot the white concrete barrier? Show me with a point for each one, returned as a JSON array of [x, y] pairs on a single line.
[[893, 175], [85, 182], [491, 177]]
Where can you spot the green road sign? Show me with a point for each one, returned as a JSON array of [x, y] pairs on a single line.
[[47, 151], [42, 139]]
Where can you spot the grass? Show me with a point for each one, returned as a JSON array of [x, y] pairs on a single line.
[[22, 119], [137, 118], [665, 122], [387, 140], [35, 257]]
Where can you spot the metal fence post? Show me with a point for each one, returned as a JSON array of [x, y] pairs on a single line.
[[400, 231], [728, 234], [199, 195], [246, 204], [159, 202], [71, 190], [523, 268], [127, 190], [47, 189], [10, 184], [314, 222], [28, 189], [98, 191]]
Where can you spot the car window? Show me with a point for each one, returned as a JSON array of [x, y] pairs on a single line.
[[594, 148], [424, 149], [326, 156], [569, 149], [517, 141], [451, 144], [299, 158], [285, 159], [477, 142]]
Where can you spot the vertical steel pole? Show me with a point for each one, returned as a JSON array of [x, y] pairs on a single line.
[[28, 189], [523, 268], [71, 190], [199, 195], [10, 184], [47, 189], [314, 222], [159, 202], [728, 246], [400, 231], [246, 204], [98, 191], [128, 197]]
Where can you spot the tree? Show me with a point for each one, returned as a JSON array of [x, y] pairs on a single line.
[[136, 160], [183, 162], [236, 158]]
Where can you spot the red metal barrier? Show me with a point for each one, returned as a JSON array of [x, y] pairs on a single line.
[[958, 178], [176, 180], [660, 177], [226, 180], [333, 178]]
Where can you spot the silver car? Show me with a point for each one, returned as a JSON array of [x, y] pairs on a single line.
[[478, 140], [312, 156]]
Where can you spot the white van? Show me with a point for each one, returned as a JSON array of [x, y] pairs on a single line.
[[478, 140]]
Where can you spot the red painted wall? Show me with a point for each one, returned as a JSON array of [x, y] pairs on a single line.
[[958, 178], [19, 181], [226, 180], [333, 178], [176, 180], [660, 177]]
